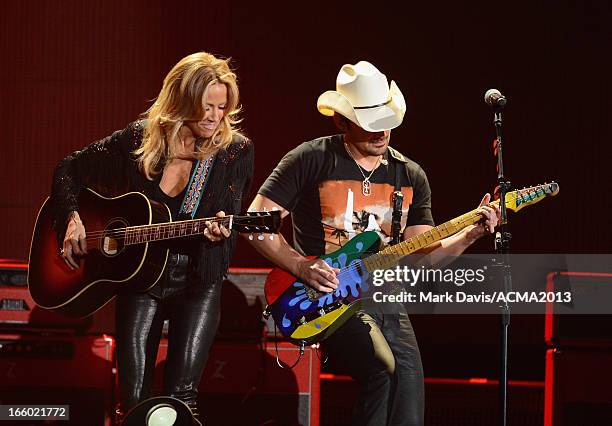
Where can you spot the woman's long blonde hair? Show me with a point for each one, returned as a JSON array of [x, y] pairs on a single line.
[[182, 99]]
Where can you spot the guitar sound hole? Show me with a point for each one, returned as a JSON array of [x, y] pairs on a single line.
[[112, 240]]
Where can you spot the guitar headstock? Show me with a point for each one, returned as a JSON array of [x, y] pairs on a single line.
[[267, 222], [516, 200]]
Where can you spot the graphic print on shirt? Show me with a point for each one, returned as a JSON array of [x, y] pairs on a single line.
[[345, 211]]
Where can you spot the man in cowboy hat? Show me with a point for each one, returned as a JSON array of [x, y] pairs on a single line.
[[336, 187]]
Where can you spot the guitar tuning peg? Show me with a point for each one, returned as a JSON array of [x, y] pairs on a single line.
[[260, 237], [250, 237], [271, 237]]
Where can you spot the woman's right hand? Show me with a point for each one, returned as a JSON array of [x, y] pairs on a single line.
[[75, 244]]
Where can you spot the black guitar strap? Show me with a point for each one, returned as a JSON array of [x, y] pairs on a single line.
[[397, 199]]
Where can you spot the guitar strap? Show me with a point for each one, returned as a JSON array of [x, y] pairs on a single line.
[[195, 188], [397, 199]]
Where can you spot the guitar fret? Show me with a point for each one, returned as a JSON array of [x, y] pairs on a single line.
[[402, 249], [439, 236], [450, 228], [428, 235]]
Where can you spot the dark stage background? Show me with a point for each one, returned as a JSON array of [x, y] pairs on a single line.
[[74, 71]]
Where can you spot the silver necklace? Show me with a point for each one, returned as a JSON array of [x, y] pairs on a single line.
[[365, 184]]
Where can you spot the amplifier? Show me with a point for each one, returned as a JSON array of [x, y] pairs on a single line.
[[13, 272], [578, 390], [242, 304], [578, 330], [242, 385], [59, 370], [18, 310]]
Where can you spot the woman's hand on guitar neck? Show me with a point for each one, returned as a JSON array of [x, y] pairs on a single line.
[[75, 244], [214, 231]]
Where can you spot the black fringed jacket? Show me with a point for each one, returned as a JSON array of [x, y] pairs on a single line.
[[109, 167]]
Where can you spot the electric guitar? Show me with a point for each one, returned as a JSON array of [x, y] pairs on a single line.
[[305, 315], [124, 236]]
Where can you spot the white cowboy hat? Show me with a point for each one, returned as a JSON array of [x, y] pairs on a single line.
[[364, 96]]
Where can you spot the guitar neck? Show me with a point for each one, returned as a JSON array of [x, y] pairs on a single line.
[[170, 230], [391, 255]]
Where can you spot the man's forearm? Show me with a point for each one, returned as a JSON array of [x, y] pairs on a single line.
[[278, 251]]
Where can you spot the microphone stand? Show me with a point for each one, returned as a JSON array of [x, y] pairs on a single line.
[[502, 244]]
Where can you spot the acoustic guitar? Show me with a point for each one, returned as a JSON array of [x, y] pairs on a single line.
[[125, 247]]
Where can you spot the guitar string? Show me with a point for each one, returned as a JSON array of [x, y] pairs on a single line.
[[120, 232], [467, 217], [347, 270], [117, 232], [135, 227]]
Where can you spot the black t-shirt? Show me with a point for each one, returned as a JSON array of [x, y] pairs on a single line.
[[322, 188]]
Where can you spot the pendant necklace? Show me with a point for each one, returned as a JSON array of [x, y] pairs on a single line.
[[365, 184]]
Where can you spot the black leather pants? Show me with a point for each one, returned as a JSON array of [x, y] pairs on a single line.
[[380, 352], [192, 309]]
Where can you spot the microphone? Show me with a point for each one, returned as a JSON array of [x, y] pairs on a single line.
[[494, 98]]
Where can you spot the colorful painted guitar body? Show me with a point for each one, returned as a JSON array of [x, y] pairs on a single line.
[[306, 316], [301, 312]]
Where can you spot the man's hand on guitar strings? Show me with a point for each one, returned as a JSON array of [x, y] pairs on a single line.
[[318, 275]]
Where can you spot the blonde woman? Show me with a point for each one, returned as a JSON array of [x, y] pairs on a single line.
[[193, 118]]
